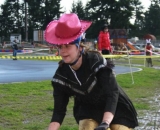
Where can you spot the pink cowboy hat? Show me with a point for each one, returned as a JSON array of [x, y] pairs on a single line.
[[66, 29]]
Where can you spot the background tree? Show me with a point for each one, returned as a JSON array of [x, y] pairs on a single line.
[[41, 12], [11, 17], [73, 7], [115, 13], [152, 21], [137, 29], [79, 9]]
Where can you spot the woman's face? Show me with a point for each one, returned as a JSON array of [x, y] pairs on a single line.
[[105, 29], [68, 52]]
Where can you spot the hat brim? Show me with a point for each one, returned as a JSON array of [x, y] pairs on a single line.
[[51, 38]]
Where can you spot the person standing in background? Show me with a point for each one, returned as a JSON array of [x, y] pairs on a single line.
[[32, 44], [3, 44], [104, 45], [15, 48], [148, 50]]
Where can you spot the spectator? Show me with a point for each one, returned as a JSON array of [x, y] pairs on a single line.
[[32, 44], [104, 45], [148, 50], [3, 44], [15, 48]]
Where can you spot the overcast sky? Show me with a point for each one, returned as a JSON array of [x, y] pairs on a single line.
[[68, 3]]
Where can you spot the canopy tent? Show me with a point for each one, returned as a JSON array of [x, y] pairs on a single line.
[[149, 36]]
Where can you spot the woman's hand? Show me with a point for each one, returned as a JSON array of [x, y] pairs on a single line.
[[102, 126], [54, 126]]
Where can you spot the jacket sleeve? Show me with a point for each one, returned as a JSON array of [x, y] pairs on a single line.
[[60, 103], [109, 43], [100, 42], [110, 88], [12, 46]]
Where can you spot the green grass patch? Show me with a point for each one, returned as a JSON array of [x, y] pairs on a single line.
[[138, 61]]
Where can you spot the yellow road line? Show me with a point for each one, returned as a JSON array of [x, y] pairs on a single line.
[[59, 57]]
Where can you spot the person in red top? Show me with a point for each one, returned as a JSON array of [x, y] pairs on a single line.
[[148, 50], [104, 45]]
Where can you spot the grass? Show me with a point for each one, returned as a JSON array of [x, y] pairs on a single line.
[[137, 61], [25, 105], [145, 86], [29, 105]]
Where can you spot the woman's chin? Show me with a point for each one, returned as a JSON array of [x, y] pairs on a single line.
[[66, 61]]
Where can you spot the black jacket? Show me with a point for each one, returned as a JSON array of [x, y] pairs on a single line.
[[15, 46], [95, 91]]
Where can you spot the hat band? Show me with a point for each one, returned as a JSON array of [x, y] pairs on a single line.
[[68, 36]]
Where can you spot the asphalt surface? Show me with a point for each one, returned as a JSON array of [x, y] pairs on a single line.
[[34, 70]]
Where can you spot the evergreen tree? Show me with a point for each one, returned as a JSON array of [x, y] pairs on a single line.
[[41, 12], [78, 8], [116, 13], [152, 20], [138, 28], [73, 7], [10, 17]]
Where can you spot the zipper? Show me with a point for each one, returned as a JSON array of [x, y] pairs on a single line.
[[75, 75]]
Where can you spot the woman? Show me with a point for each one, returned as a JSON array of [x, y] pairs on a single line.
[[148, 50], [104, 45], [99, 103]]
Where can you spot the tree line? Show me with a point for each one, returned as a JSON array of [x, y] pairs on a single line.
[[118, 14]]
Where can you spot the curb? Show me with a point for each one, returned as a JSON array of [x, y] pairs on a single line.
[[33, 57]]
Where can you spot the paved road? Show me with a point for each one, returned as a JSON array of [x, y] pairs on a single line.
[[32, 70]]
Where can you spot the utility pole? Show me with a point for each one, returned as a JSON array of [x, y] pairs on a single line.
[[26, 20], [18, 22]]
